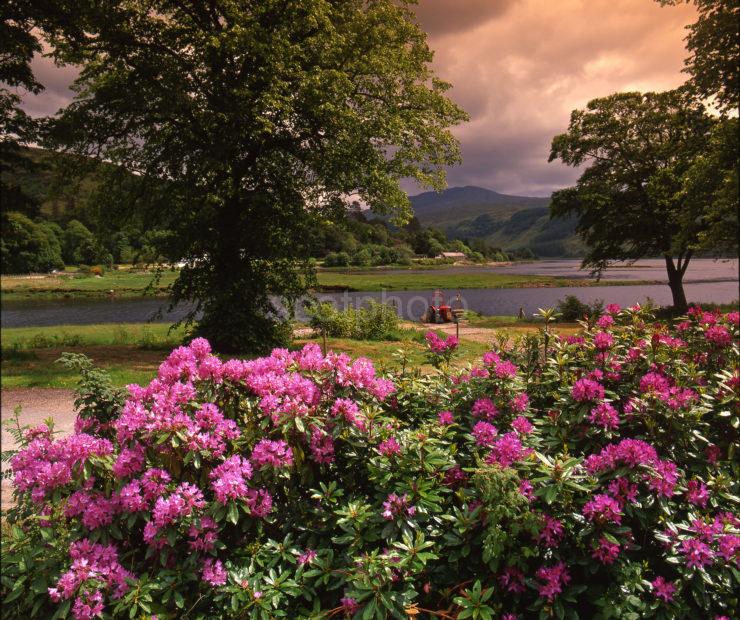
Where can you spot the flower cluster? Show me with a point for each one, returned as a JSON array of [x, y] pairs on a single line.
[[284, 485]]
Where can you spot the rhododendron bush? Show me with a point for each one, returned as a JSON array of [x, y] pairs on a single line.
[[596, 479]]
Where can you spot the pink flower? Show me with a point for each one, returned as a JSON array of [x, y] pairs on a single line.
[[697, 493], [521, 425], [614, 308], [229, 480], [654, 383], [605, 321], [88, 605], [628, 452], [350, 605], [622, 490], [485, 409], [350, 411], [306, 557], [729, 548], [603, 509], [551, 534], [665, 479], [554, 577], [606, 552], [389, 447], [526, 489], [603, 340], [203, 537], [519, 403], [713, 454], [585, 390], [718, 335], [505, 370], [259, 502], [322, 446], [484, 433], [454, 477], [507, 450], [276, 454], [490, 358], [213, 572], [93, 566], [663, 589], [511, 579], [129, 461], [440, 346], [397, 506], [604, 415], [445, 418], [698, 554]]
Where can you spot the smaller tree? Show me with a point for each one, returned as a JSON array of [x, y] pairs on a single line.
[[81, 246], [28, 247], [630, 200]]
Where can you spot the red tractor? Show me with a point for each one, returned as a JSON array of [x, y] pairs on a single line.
[[438, 311]]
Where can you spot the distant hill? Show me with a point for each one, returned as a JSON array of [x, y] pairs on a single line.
[[506, 221]]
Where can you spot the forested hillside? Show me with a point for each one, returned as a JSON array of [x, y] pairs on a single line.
[[501, 220], [58, 210]]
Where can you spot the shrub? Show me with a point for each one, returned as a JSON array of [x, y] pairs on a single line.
[[372, 322], [573, 309], [337, 259], [598, 482]]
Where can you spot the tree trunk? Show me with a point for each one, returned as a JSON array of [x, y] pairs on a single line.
[[676, 272]]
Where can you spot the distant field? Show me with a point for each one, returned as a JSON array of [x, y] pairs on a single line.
[[125, 283], [414, 281], [120, 283]]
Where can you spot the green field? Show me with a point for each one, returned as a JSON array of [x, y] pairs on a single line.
[[125, 283], [121, 283], [132, 352]]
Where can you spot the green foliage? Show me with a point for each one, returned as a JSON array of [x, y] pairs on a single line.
[[372, 322], [97, 402], [28, 247], [80, 247], [573, 309], [442, 521], [714, 60]]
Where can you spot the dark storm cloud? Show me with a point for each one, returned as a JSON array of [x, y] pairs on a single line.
[[518, 67], [441, 17]]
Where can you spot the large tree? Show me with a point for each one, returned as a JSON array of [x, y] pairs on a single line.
[[18, 44], [243, 121], [630, 200], [713, 43]]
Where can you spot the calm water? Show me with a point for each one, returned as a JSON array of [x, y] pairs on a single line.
[[699, 270], [411, 304]]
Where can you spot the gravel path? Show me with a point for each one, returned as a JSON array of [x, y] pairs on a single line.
[[37, 404]]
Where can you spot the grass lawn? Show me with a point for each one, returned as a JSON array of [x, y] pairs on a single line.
[[132, 352]]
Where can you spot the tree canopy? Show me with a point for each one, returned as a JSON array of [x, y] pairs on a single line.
[[244, 121], [714, 46], [630, 199]]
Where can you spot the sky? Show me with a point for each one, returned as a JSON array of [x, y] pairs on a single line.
[[518, 67]]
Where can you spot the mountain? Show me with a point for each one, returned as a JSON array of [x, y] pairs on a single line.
[[505, 221]]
